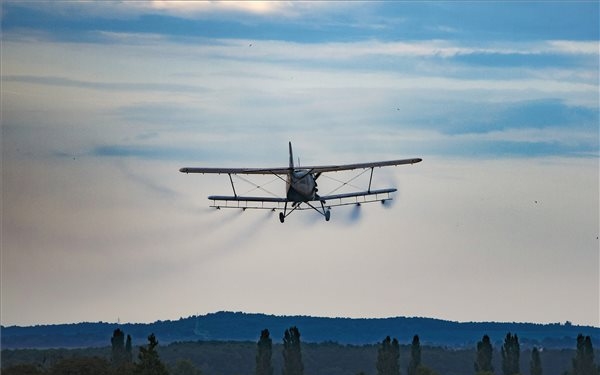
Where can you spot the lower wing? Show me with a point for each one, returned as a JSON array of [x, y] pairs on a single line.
[[326, 198], [276, 203], [239, 198], [237, 201]]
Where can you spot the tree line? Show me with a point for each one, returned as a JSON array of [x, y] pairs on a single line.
[[387, 361], [582, 363]]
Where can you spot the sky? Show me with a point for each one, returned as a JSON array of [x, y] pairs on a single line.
[[103, 102]]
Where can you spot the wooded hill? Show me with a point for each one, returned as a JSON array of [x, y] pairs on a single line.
[[230, 326]]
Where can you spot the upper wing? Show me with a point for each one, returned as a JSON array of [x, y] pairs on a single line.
[[235, 170], [313, 169], [345, 167]]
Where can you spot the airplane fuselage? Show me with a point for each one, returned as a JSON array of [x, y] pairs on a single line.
[[301, 186]]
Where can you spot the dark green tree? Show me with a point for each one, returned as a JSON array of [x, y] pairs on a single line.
[[535, 366], [148, 360], [264, 354], [292, 354], [511, 353], [128, 350], [388, 357], [583, 363], [483, 361], [118, 354], [415, 356]]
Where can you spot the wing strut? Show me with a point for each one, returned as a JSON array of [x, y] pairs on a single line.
[[232, 186], [370, 179]]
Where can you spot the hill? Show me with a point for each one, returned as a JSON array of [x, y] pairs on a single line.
[[238, 326]]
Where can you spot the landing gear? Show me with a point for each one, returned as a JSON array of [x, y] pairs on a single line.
[[325, 211], [282, 215], [285, 213]]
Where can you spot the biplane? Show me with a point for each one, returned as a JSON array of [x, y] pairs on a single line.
[[301, 187]]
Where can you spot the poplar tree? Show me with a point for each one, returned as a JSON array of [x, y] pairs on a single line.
[[128, 350], [511, 353], [264, 353], [535, 366], [583, 363], [292, 355], [388, 357], [118, 354], [483, 361], [415, 356]]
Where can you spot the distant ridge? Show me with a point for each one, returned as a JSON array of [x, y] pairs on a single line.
[[239, 326]]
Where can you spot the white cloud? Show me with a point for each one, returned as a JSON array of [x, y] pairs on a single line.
[[554, 135], [187, 9], [439, 48], [182, 9], [234, 63], [574, 47]]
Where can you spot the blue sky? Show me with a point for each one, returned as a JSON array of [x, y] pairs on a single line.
[[102, 102], [390, 21]]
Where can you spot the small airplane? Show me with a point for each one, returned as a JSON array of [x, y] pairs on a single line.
[[301, 187]]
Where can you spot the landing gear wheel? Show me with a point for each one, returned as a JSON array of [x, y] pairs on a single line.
[[327, 215], [281, 217]]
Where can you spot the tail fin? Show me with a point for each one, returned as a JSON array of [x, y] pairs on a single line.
[[291, 157]]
